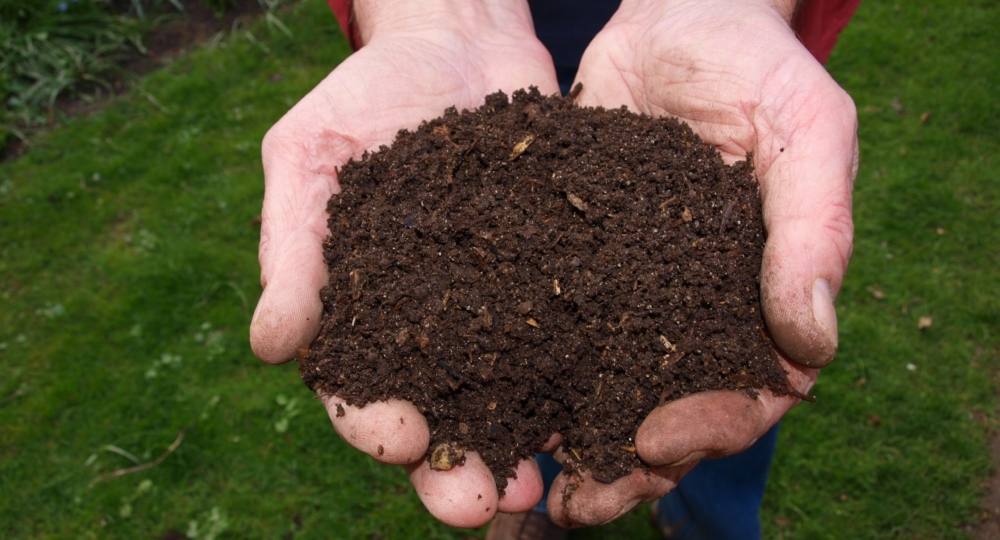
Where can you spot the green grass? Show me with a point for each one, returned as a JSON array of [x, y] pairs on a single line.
[[925, 87], [128, 275]]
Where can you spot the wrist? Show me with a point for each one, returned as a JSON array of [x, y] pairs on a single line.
[[379, 18], [784, 8]]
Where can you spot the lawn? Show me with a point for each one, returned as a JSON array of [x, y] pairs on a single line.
[[128, 276]]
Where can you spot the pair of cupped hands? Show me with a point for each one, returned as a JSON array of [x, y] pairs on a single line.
[[732, 69]]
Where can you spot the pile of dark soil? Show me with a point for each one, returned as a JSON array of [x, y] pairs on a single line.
[[536, 267]]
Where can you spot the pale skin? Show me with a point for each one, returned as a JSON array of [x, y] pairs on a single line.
[[732, 69]]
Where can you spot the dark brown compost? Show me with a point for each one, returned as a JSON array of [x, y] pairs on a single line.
[[533, 267]]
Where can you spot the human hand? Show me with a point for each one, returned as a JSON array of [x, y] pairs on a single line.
[[418, 59], [735, 72]]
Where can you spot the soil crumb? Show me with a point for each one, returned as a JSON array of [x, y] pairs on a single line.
[[533, 267]]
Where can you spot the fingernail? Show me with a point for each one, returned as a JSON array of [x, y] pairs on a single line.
[[690, 458], [823, 310]]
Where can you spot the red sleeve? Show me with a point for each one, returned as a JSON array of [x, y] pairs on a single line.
[[342, 10], [819, 22]]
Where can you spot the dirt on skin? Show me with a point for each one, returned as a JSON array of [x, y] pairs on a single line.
[[535, 267]]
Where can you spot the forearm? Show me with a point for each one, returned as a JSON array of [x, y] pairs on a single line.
[[377, 18]]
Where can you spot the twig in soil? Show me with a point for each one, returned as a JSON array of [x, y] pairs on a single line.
[[458, 162], [571, 96], [621, 321], [558, 238], [144, 466], [458, 376], [444, 365], [666, 202], [725, 215], [804, 397], [666, 389]]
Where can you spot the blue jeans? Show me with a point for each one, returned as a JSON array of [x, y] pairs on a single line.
[[718, 500]]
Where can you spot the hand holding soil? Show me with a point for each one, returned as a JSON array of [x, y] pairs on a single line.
[[533, 267], [769, 98], [735, 72], [403, 75]]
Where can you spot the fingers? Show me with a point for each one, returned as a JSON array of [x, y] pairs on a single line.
[[672, 440], [577, 500], [465, 496], [550, 445], [392, 432], [806, 185], [714, 424], [359, 106], [293, 226], [773, 99], [288, 313], [701, 426], [523, 492]]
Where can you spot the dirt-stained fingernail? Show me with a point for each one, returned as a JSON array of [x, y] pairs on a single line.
[[693, 457], [823, 310]]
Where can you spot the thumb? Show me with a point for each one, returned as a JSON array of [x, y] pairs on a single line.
[[293, 226], [806, 193]]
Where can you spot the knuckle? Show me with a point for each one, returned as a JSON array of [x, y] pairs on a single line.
[[839, 231], [847, 106], [275, 138]]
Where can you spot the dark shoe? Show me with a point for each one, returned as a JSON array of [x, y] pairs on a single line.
[[526, 526]]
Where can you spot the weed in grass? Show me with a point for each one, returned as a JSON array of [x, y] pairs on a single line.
[[53, 50], [49, 48], [211, 526]]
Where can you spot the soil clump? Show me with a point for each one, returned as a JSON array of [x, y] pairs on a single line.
[[533, 267]]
